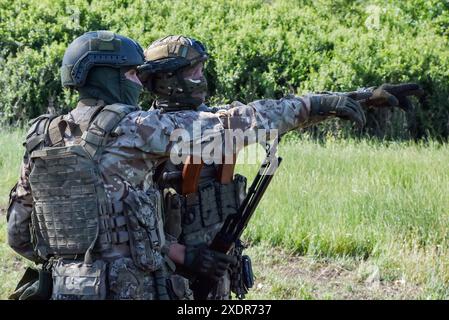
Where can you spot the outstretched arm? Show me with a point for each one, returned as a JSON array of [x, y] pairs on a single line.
[[158, 132]]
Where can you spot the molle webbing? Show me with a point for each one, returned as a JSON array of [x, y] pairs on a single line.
[[72, 215], [96, 137], [58, 126], [211, 205], [68, 201], [112, 230], [56, 131]]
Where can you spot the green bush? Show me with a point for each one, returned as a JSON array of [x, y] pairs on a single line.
[[260, 49]]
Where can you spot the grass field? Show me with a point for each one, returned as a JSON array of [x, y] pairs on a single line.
[[381, 207], [341, 220]]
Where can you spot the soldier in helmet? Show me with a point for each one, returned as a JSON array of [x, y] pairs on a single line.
[[82, 206], [194, 215], [88, 204], [175, 75]]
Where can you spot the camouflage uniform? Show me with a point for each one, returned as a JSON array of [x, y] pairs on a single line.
[[203, 211], [128, 162], [126, 254], [82, 191], [207, 220]]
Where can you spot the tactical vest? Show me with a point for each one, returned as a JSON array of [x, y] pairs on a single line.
[[205, 207], [72, 215]]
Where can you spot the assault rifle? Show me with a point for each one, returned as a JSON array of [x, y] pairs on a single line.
[[388, 95], [235, 224]]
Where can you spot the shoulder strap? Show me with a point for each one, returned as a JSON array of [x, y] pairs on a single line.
[[56, 129], [95, 106], [38, 132], [98, 133], [58, 125]]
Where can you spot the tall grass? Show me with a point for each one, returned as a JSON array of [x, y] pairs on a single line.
[[11, 153], [367, 200], [381, 204]]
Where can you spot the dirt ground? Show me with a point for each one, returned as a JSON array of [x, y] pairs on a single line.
[[283, 275]]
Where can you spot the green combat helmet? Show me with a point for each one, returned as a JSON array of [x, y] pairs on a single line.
[[98, 48], [166, 58]]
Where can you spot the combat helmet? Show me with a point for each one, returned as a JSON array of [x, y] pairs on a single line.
[[98, 48], [166, 58]]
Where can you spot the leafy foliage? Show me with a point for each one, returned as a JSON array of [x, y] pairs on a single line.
[[259, 49]]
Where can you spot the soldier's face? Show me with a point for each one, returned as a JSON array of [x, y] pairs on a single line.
[[196, 73], [132, 76]]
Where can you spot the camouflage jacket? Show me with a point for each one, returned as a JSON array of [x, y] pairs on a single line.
[[145, 141]]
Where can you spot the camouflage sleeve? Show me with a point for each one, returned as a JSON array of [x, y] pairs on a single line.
[[213, 109], [286, 114], [19, 214], [157, 132]]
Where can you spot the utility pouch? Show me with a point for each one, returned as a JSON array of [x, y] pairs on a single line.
[[191, 215], [79, 281], [172, 213], [179, 288], [242, 276], [240, 188], [210, 214], [247, 272], [36, 284], [211, 205], [144, 230]]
